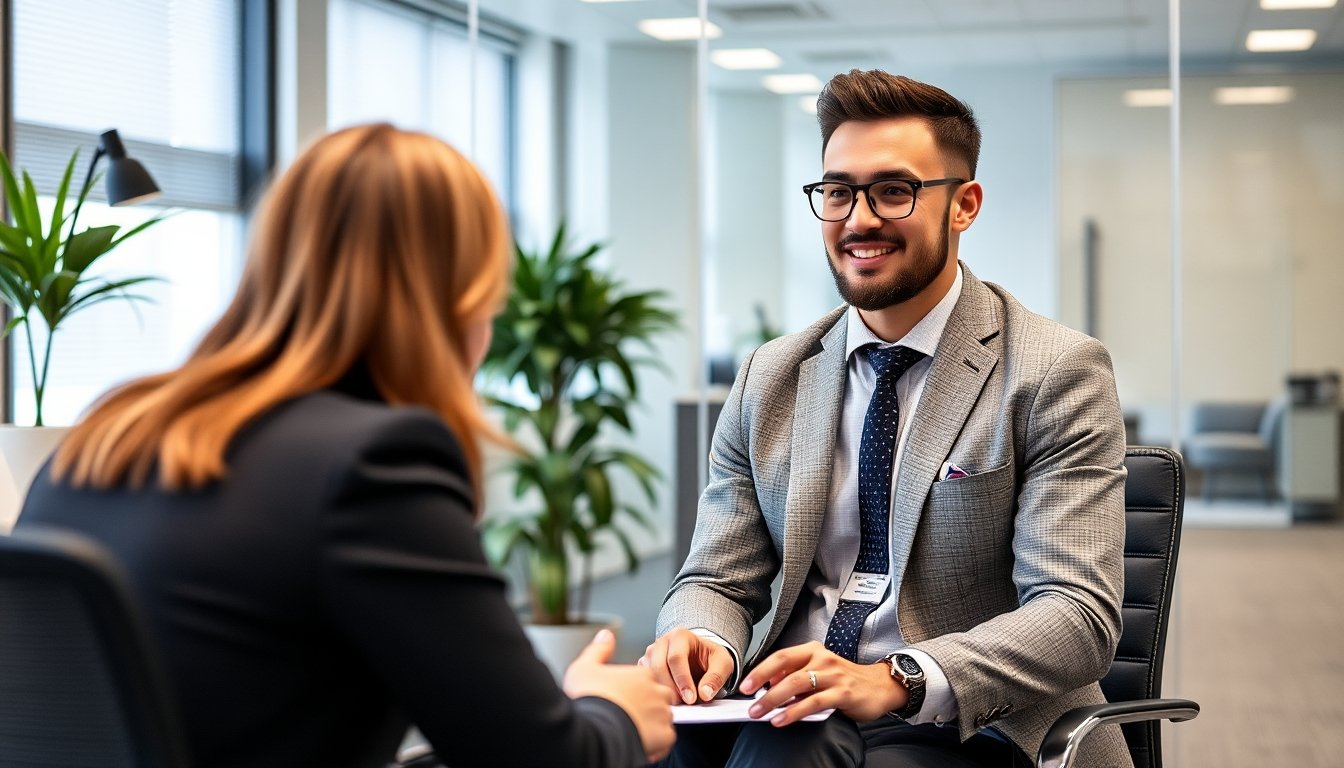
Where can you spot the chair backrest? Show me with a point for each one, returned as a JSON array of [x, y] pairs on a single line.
[[1271, 424], [1154, 499], [1227, 417], [79, 682]]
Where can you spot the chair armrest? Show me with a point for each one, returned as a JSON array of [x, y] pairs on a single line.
[[1060, 747]]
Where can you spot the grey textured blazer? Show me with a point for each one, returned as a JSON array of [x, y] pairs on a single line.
[[1010, 578]]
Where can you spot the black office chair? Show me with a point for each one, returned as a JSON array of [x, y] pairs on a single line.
[[79, 685], [1154, 499]]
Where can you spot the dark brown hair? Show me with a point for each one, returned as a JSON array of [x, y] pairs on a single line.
[[876, 95]]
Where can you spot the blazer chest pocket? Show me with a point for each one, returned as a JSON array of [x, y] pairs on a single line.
[[984, 496]]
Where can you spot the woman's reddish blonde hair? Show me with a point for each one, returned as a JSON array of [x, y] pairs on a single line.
[[377, 247]]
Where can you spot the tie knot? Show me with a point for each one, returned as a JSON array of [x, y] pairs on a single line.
[[892, 362]]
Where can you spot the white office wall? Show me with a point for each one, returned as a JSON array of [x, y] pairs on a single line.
[[654, 228], [588, 126], [1012, 241], [744, 221], [538, 153]]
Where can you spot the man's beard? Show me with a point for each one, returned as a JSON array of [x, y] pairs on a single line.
[[904, 285]]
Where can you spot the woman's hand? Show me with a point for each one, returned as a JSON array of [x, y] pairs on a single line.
[[632, 688]]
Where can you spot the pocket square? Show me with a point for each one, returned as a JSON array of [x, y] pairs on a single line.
[[951, 471]]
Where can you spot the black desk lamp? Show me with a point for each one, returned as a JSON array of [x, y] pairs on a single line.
[[128, 182]]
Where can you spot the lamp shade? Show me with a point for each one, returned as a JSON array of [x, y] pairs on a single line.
[[127, 180]]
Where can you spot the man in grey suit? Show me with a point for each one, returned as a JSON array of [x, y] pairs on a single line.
[[937, 471]]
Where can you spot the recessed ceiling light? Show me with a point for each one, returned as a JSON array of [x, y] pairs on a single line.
[[1263, 40], [809, 104], [745, 58], [687, 28], [1259, 94], [1148, 97], [1295, 5], [791, 83]]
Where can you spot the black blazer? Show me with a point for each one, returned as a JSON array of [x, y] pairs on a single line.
[[330, 590]]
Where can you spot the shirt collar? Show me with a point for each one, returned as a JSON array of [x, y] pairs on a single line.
[[923, 337]]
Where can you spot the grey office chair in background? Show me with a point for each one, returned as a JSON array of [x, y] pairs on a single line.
[[1236, 439], [79, 681], [1154, 500]]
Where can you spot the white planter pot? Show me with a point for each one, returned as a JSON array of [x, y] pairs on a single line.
[[559, 644], [23, 451]]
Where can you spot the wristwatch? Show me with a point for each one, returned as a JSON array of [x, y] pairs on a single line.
[[905, 669]]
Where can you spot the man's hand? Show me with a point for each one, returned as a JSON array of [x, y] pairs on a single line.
[[861, 691], [692, 666]]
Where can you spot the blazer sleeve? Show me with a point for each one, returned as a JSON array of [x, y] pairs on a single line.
[[404, 577], [724, 586], [1068, 551]]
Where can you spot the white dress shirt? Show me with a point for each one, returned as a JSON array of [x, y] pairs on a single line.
[[838, 545]]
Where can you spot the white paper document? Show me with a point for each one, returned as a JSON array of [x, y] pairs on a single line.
[[730, 710]]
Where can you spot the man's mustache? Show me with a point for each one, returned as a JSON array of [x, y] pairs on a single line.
[[857, 237]]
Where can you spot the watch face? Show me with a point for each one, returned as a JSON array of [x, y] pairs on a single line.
[[908, 665]]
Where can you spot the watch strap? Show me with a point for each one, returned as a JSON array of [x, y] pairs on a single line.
[[913, 683]]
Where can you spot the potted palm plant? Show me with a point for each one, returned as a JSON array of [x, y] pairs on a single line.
[[563, 367], [44, 266]]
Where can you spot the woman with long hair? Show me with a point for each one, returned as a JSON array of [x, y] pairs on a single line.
[[294, 506]]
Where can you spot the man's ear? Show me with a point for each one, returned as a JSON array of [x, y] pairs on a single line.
[[966, 205]]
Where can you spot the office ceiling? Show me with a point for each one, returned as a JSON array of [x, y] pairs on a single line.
[[826, 36]]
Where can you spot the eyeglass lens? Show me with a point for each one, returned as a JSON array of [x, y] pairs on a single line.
[[833, 201]]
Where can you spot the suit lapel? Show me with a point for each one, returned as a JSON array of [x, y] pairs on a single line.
[[816, 417], [961, 365]]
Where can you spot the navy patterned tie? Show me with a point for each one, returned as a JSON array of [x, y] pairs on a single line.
[[877, 449]]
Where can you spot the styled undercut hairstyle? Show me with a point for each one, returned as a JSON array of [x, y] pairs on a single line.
[[877, 95]]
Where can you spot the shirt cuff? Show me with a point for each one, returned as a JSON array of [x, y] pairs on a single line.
[[731, 685], [940, 706]]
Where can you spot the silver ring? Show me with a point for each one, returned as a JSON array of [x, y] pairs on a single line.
[[812, 677]]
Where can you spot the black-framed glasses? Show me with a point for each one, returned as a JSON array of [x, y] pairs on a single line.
[[889, 198]]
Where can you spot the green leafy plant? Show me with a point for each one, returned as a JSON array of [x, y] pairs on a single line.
[[566, 334], [42, 266]]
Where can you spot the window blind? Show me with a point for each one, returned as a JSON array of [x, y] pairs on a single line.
[[162, 72]]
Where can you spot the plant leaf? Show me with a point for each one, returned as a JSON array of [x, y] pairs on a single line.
[[501, 539], [58, 211], [12, 324], [631, 557], [598, 489], [84, 248], [32, 222], [564, 332], [13, 196], [141, 227], [101, 293]]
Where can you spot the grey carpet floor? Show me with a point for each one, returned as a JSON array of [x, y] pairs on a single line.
[[1257, 638]]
